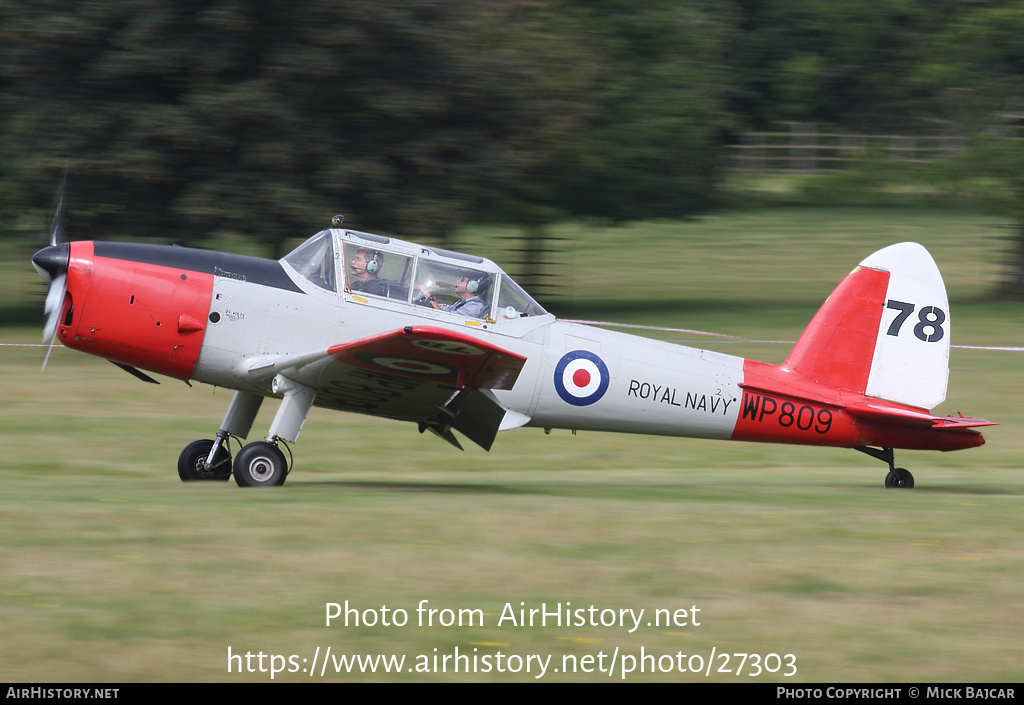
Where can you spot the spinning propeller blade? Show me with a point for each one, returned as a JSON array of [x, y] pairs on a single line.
[[57, 222], [52, 262], [54, 300]]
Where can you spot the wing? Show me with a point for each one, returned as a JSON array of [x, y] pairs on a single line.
[[434, 355], [437, 378]]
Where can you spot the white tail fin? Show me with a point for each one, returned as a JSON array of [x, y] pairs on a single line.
[[911, 359], [883, 332]]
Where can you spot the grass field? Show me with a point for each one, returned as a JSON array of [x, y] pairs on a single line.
[[113, 570]]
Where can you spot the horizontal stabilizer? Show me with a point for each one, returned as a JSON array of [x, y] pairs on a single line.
[[910, 417]]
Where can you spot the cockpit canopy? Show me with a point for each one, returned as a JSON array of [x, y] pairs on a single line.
[[314, 260], [375, 266]]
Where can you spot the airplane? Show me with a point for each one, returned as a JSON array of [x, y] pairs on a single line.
[[370, 324]]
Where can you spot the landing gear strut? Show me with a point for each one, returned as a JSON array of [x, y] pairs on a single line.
[[259, 464], [897, 477]]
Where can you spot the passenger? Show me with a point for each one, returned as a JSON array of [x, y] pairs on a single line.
[[365, 266], [470, 288]]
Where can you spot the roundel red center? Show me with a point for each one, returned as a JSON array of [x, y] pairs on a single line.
[[581, 378]]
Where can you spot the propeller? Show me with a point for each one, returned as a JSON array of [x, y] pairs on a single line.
[[52, 262]]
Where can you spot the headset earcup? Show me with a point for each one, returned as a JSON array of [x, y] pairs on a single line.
[[374, 264]]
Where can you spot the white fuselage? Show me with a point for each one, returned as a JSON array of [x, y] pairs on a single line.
[[649, 386]]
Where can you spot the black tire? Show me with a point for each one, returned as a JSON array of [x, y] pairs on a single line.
[[899, 478], [260, 464], [192, 462], [904, 479]]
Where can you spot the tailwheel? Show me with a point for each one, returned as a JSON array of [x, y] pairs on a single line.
[[899, 477], [192, 462], [260, 464]]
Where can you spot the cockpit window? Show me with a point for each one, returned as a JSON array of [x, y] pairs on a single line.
[[314, 260], [513, 302], [465, 291], [377, 273]]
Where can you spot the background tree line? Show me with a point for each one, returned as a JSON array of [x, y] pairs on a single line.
[[181, 119]]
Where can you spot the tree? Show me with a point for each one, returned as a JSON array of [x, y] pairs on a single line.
[[649, 147], [973, 69], [844, 62], [179, 118], [650, 118]]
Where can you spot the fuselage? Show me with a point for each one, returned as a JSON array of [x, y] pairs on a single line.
[[215, 318]]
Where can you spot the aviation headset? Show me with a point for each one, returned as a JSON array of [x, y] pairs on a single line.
[[373, 265], [477, 281]]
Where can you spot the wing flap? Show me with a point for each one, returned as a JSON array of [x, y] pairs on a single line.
[[475, 414]]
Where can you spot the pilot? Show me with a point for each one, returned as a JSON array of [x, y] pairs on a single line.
[[470, 288], [365, 266]]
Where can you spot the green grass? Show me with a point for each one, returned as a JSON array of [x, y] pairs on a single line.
[[113, 570]]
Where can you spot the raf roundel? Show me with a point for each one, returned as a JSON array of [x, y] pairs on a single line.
[[408, 365], [581, 378]]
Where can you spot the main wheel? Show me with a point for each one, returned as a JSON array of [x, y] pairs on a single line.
[[192, 462], [900, 478], [260, 464]]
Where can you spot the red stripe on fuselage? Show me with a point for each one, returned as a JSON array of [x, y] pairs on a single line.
[[140, 314], [769, 416]]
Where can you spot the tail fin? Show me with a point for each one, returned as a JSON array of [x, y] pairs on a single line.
[[884, 331]]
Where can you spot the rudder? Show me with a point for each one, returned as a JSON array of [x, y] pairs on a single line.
[[911, 360], [884, 331]]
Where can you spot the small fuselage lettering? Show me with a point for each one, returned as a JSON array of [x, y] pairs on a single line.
[[665, 394]]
